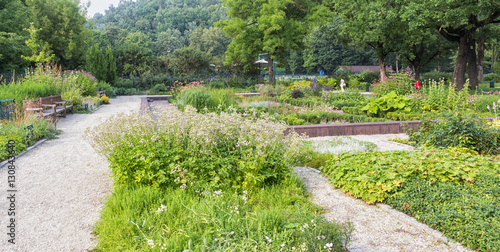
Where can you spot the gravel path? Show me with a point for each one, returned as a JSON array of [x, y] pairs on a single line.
[[376, 227], [61, 185]]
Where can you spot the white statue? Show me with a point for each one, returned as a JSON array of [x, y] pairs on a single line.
[[342, 84]]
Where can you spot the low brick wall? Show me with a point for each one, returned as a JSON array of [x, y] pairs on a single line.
[[347, 129], [146, 102]]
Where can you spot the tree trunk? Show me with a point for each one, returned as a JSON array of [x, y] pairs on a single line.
[[492, 58], [381, 64], [439, 65], [471, 59], [416, 68], [480, 58], [461, 64], [270, 68], [495, 58]]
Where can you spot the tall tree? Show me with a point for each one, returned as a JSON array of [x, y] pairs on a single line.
[[458, 22], [61, 25], [268, 26], [375, 23], [15, 18]]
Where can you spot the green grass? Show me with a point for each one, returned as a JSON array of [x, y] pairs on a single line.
[[273, 218]]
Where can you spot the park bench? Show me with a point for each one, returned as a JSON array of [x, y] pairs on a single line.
[[48, 106]]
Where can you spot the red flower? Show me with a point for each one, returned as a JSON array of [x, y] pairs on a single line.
[[417, 85]]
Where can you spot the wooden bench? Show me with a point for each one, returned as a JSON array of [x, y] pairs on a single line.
[[62, 105], [48, 106]]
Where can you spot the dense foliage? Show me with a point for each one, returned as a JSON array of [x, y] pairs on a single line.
[[22, 136], [457, 131]]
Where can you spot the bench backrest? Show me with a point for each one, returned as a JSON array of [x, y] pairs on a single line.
[[33, 103], [46, 100], [56, 98]]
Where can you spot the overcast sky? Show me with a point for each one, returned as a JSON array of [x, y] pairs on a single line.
[[99, 6]]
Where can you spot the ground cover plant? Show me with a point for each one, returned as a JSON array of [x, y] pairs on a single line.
[[206, 181], [452, 190]]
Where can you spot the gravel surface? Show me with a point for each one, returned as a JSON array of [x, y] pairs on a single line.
[[61, 186], [376, 227]]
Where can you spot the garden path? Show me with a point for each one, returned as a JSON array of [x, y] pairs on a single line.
[[61, 186], [376, 227]]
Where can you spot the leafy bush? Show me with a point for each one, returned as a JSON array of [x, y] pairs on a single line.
[[74, 95], [186, 148], [388, 103], [105, 99], [401, 84], [457, 131], [368, 76], [131, 91], [468, 213], [223, 99], [375, 176], [18, 132], [436, 76], [482, 102], [199, 98], [297, 94], [125, 84], [160, 87], [109, 90], [492, 77]]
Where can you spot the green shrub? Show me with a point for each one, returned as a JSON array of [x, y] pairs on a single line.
[[223, 99], [199, 98], [131, 91], [19, 133], [401, 84], [186, 148], [368, 76], [109, 90], [297, 94], [160, 87], [457, 131], [436, 76], [74, 95], [483, 101], [388, 103], [467, 213]]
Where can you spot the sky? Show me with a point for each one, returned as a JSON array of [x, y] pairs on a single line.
[[99, 6]]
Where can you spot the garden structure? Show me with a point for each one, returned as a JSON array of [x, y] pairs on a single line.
[[49, 106]]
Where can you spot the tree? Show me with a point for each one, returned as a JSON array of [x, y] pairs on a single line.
[[458, 22], [13, 14], [190, 61], [211, 40], [61, 25], [168, 41], [110, 66], [41, 52], [96, 62], [134, 56], [272, 26], [375, 23]]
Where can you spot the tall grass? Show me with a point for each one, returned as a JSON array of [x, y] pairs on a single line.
[[277, 218]]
